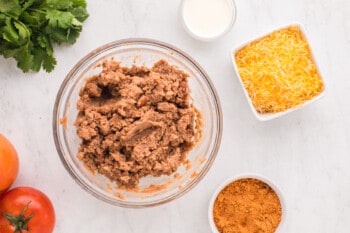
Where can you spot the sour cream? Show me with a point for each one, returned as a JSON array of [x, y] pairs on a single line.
[[208, 19]]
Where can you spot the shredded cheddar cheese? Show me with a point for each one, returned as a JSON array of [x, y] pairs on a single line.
[[278, 71]]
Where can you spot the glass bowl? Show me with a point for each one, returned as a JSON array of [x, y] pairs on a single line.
[[152, 190]]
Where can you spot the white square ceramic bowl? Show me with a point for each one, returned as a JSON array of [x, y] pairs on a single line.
[[270, 116]]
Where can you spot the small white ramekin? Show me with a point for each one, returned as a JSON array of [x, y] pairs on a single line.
[[208, 38], [243, 176], [270, 116]]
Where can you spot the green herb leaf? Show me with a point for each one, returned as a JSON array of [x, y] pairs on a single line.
[[10, 34], [28, 28], [59, 19], [42, 58], [81, 3], [79, 13], [27, 4], [49, 63], [10, 7], [59, 4], [22, 30], [24, 58]]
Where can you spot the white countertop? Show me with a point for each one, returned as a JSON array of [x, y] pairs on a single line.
[[306, 153]]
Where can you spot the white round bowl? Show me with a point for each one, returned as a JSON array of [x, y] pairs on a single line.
[[210, 37], [243, 176]]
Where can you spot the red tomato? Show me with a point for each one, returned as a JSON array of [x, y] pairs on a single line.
[[8, 164], [25, 204]]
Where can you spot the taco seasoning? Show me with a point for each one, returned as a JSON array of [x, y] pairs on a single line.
[[247, 205]]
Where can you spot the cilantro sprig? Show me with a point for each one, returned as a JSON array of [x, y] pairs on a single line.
[[29, 28]]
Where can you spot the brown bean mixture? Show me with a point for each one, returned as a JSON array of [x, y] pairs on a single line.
[[135, 122]]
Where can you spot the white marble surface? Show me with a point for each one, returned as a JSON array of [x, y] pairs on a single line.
[[306, 153]]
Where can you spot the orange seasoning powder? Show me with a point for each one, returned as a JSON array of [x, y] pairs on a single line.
[[245, 206]]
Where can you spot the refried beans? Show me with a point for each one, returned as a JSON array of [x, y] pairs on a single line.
[[135, 122]]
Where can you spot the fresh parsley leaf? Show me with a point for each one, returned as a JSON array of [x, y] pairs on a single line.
[[11, 7], [79, 13], [59, 35], [33, 19], [10, 34], [24, 58], [72, 36], [39, 57], [49, 63], [9, 52], [28, 28], [27, 4], [42, 58], [23, 31], [43, 41], [81, 3], [60, 4], [59, 19], [7, 5]]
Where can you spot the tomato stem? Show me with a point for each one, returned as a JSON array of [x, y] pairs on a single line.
[[19, 221]]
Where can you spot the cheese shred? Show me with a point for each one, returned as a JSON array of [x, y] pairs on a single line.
[[278, 71]]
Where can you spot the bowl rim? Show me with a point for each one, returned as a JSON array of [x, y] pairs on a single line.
[[210, 38], [244, 176], [56, 125], [270, 116]]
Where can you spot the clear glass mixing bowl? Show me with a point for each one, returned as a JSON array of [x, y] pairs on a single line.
[[152, 190]]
